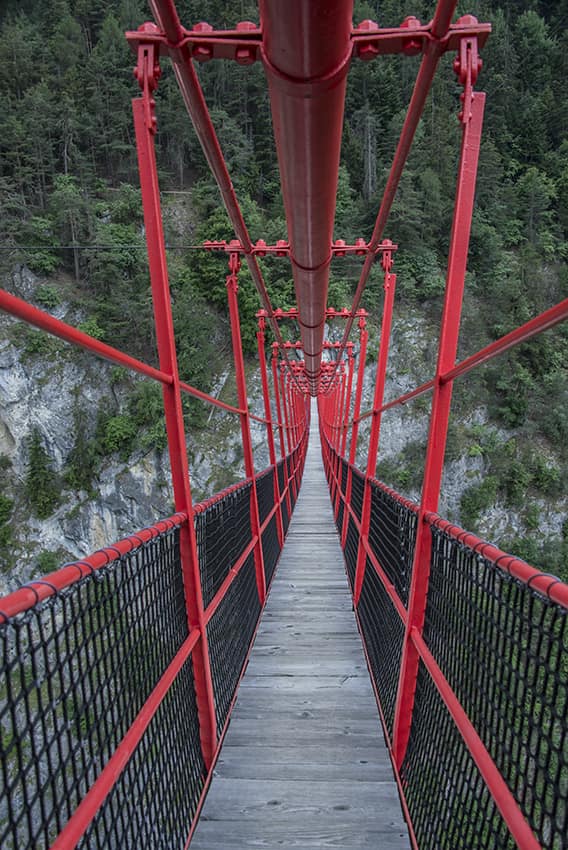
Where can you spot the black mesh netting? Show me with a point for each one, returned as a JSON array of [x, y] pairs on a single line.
[[265, 493], [392, 535], [223, 532], [153, 804], [229, 633], [77, 668], [504, 649], [295, 477], [449, 804], [383, 633], [357, 492], [270, 549], [285, 515], [281, 469], [282, 480], [351, 550], [342, 476]]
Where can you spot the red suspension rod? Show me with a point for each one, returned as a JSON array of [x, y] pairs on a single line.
[[165, 13], [433, 51]]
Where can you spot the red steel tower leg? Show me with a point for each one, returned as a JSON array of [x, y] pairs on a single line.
[[472, 118], [260, 338], [232, 289], [145, 126], [389, 287], [363, 337]]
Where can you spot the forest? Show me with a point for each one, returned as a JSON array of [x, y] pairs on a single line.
[[70, 212]]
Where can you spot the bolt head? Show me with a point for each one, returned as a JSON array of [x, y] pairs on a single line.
[[246, 26], [245, 55], [368, 52]]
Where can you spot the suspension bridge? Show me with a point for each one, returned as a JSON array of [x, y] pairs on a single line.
[[306, 659]]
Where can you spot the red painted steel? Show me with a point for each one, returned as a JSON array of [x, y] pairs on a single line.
[[144, 125], [306, 52], [543, 322], [286, 409], [350, 368], [363, 338], [439, 418], [240, 377], [243, 44], [276, 385], [380, 382], [432, 52], [260, 337], [22, 310], [166, 14]]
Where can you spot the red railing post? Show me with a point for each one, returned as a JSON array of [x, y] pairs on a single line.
[[145, 127], [279, 404], [338, 425], [472, 120], [232, 289], [389, 288], [285, 406], [260, 338], [350, 363], [338, 422], [363, 337]]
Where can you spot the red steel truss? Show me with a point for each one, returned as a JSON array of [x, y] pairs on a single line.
[[305, 49]]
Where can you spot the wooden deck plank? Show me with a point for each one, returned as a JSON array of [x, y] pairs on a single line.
[[304, 764]]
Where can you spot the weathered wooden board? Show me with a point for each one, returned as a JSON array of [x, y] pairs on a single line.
[[304, 764]]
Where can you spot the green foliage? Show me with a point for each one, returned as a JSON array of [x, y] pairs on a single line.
[[477, 498], [41, 485], [82, 462], [34, 343], [47, 561], [146, 407], [91, 327], [48, 296], [118, 434], [6, 507], [43, 260]]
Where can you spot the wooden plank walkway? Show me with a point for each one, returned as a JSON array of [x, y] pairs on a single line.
[[304, 764]]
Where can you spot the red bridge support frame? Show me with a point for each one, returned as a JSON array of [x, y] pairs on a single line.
[[145, 128], [472, 122], [232, 289], [260, 338], [363, 339], [389, 286]]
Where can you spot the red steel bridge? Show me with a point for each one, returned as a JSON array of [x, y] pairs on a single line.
[[120, 671]]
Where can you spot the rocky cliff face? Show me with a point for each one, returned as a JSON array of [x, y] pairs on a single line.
[[404, 434], [43, 390]]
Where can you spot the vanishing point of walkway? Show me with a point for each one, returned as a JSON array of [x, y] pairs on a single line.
[[304, 764]]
